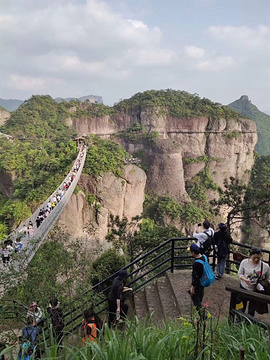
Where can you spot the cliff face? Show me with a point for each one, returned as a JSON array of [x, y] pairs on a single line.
[[184, 148], [4, 115], [117, 196]]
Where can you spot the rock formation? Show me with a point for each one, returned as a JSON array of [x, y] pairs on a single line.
[[118, 196], [4, 115]]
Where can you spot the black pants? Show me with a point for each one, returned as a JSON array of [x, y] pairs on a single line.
[[113, 308], [197, 299]]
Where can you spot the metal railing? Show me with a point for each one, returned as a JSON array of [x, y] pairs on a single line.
[[31, 245], [168, 256]]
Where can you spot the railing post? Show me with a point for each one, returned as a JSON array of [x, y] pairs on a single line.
[[241, 353], [172, 255]]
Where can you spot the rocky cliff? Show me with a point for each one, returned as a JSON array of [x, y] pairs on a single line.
[[185, 147], [4, 115], [118, 196]]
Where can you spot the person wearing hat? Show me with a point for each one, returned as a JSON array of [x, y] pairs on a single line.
[[117, 308], [35, 312], [222, 240], [197, 291]]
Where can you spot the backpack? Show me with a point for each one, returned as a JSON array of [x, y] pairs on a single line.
[[208, 277], [208, 245]]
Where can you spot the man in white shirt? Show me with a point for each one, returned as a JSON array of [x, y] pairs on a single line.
[[201, 231]]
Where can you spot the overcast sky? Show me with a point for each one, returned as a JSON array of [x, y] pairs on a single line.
[[219, 49]]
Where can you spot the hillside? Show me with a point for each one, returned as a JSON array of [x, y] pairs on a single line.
[[244, 106], [13, 104]]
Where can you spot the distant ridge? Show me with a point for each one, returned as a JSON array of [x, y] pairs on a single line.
[[92, 98], [13, 104], [244, 106], [10, 104]]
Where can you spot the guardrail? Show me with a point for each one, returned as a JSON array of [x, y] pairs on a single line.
[[168, 256], [31, 245]]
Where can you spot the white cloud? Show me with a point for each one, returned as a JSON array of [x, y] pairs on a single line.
[[216, 63], [26, 83], [194, 52], [243, 36]]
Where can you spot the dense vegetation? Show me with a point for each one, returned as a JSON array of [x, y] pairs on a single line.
[[104, 156], [37, 158], [262, 120], [183, 338], [176, 103]]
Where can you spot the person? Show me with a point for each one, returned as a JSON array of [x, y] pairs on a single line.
[[91, 325], [197, 290], [34, 312], [57, 318], [250, 272], [5, 255], [23, 232], [202, 232], [30, 229], [18, 245], [28, 340], [222, 239], [117, 308]]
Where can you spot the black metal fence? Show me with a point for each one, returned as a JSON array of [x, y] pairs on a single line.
[[168, 256]]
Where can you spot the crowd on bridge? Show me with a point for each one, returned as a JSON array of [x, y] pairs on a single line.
[[18, 239]]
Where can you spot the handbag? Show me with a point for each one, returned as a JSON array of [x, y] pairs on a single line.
[[266, 285]]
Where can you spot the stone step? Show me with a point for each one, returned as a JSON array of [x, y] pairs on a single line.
[[180, 282], [154, 304], [140, 303], [167, 297]]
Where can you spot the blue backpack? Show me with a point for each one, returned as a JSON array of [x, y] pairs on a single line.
[[208, 277]]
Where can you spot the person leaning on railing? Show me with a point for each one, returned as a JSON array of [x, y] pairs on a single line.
[[251, 272]]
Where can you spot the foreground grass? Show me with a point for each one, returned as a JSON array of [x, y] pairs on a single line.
[[180, 339]]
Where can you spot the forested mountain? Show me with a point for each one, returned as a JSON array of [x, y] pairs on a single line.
[[13, 104], [33, 163], [244, 106]]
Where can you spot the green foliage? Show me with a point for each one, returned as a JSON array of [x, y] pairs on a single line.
[[175, 339], [175, 103], [103, 156], [38, 157], [247, 109], [3, 231], [90, 198], [151, 235], [197, 189], [231, 135], [49, 264], [138, 133], [107, 264], [157, 208], [244, 203], [39, 117], [78, 109]]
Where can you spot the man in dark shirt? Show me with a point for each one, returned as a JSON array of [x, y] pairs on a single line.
[[222, 239], [197, 291], [117, 307]]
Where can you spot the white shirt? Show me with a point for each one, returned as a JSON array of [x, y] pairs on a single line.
[[202, 237], [252, 272]]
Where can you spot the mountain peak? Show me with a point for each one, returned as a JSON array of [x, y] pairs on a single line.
[[244, 98]]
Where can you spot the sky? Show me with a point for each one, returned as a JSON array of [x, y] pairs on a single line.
[[115, 48]]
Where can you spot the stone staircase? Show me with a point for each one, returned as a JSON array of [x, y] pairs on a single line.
[[167, 297]]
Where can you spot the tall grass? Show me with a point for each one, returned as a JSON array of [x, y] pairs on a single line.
[[179, 339]]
